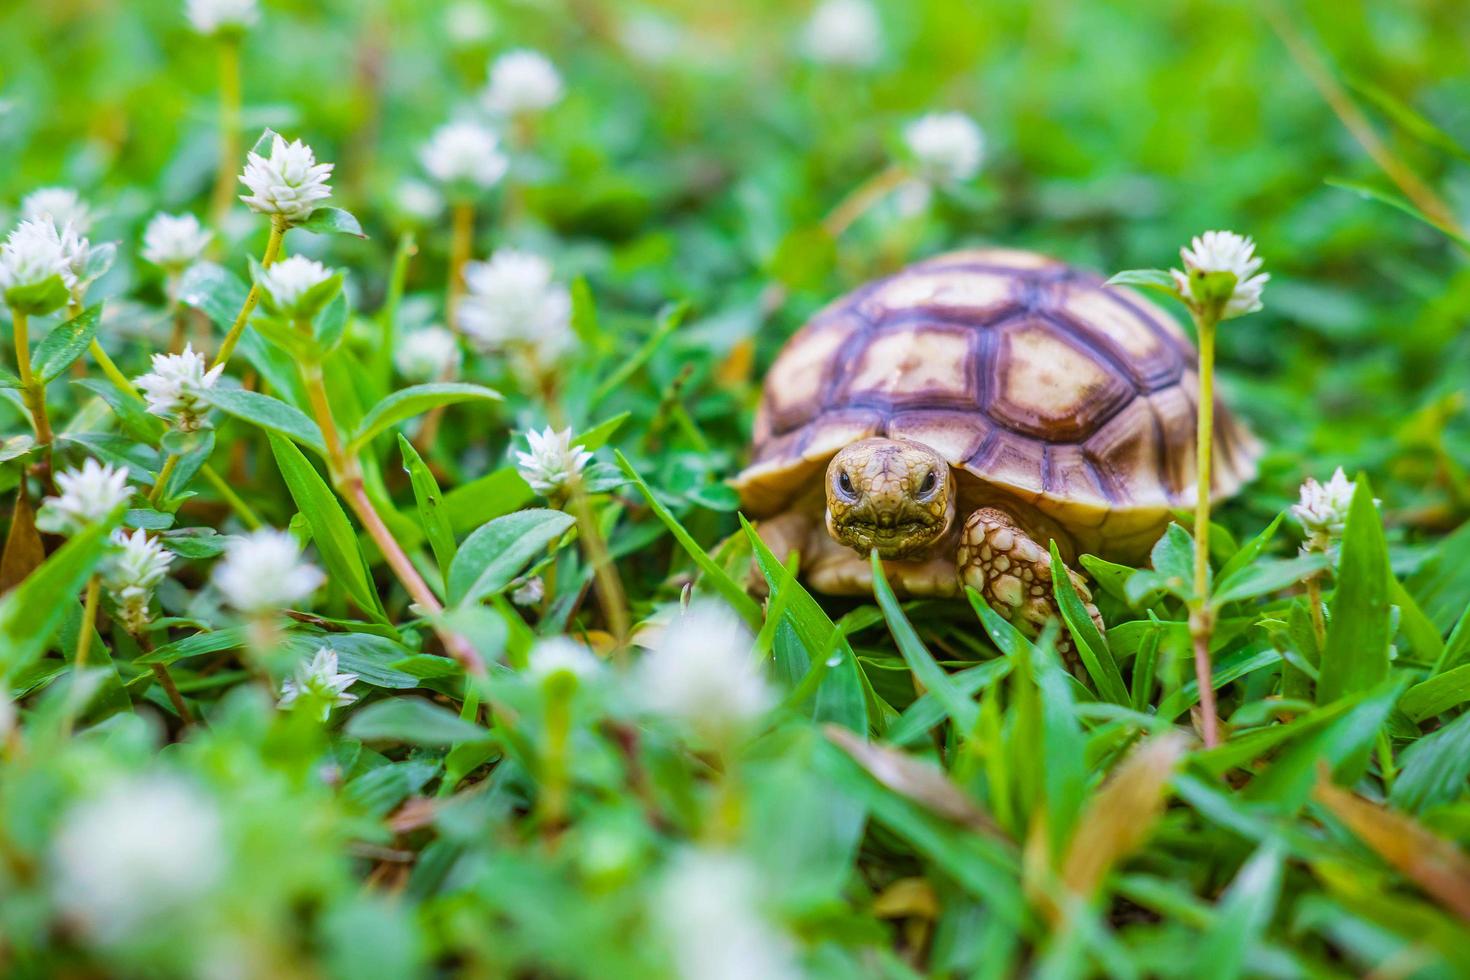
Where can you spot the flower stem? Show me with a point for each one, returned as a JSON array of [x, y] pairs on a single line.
[[166, 681], [33, 392], [1314, 601], [110, 369], [229, 129], [863, 198], [552, 800], [1202, 616], [461, 241], [609, 584], [162, 481], [237, 503], [272, 249], [89, 622]]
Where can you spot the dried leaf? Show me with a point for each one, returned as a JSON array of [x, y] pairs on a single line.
[[24, 551], [907, 898]]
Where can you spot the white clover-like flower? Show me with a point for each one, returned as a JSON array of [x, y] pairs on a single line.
[[33, 253], [63, 205], [84, 261], [318, 686], [468, 24], [175, 387], [844, 32], [702, 673], [143, 849], [531, 592], [290, 287], [418, 200], [513, 299], [522, 81], [652, 38], [174, 242], [708, 910], [465, 155], [1223, 251], [430, 354], [560, 655], [947, 147], [553, 461], [88, 495], [289, 182], [131, 573], [264, 571], [1322, 512], [211, 17]]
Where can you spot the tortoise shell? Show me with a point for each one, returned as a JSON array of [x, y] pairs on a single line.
[[1035, 380]]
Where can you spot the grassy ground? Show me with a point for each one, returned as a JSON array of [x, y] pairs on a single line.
[[897, 789]]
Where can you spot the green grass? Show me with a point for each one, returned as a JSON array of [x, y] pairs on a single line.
[[929, 792]]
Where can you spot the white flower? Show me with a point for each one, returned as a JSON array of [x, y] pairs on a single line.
[[87, 495], [513, 299], [430, 354], [176, 385], [1222, 251], [844, 32], [174, 241], [947, 147], [708, 911], [702, 673], [552, 462], [1323, 511], [652, 38], [210, 17], [465, 154], [84, 262], [264, 571], [63, 205], [318, 685], [530, 592], [290, 287], [289, 182], [131, 573], [559, 655], [522, 81], [468, 24], [31, 254], [143, 849], [418, 200]]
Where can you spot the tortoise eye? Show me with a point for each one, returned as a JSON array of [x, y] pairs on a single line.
[[926, 486], [844, 483]]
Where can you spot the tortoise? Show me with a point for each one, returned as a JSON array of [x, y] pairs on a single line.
[[964, 413]]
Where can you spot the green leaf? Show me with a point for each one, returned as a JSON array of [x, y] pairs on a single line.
[[668, 322], [31, 612], [1438, 694], [1245, 910], [408, 402], [1356, 657], [1252, 549], [269, 413], [1007, 639], [331, 531], [1173, 560], [1372, 193], [963, 710], [411, 721], [1091, 645], [333, 221], [1408, 119], [1434, 769], [491, 557], [214, 290], [1158, 280], [1259, 578], [64, 344], [8, 380], [433, 516]]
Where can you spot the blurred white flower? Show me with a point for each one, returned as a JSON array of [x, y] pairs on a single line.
[[947, 147], [702, 673], [318, 685], [292, 287], [87, 495], [174, 242], [1323, 511], [131, 573], [530, 592], [176, 385], [464, 155], [264, 571], [522, 81], [84, 261], [708, 908], [63, 205], [289, 182], [430, 354], [552, 462], [844, 32], [468, 24], [912, 198], [558, 655], [221, 16], [142, 849], [418, 200], [31, 254], [511, 299], [652, 38], [1222, 251]]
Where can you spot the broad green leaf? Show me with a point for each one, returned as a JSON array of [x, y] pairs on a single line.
[[1251, 550], [270, 414], [1262, 577], [333, 221], [1356, 657], [1245, 910], [433, 516], [411, 721], [1438, 694], [215, 290], [64, 344], [1091, 645], [1158, 280], [1173, 560], [1007, 639], [408, 402], [490, 558], [1434, 769], [1372, 193], [926, 669]]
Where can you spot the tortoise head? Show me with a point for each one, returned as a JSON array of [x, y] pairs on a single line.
[[889, 494]]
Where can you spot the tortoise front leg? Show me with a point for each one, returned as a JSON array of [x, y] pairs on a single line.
[[1001, 561], [783, 534]]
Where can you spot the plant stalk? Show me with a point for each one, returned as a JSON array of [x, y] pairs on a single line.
[[229, 129], [272, 249], [1314, 601], [1202, 616], [162, 481], [461, 241], [33, 393], [166, 681], [609, 585], [863, 198]]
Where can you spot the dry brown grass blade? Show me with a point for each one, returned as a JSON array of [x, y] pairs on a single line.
[[24, 551], [909, 777], [1122, 814], [1428, 860]]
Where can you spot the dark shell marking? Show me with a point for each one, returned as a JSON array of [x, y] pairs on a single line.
[[1024, 372]]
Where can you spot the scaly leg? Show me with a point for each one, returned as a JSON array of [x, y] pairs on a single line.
[[783, 534]]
